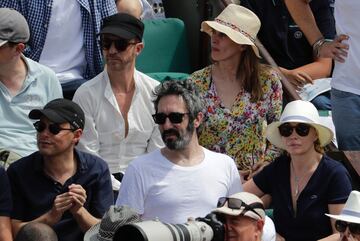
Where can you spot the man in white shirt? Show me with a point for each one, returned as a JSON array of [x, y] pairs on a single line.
[[117, 103], [182, 179]]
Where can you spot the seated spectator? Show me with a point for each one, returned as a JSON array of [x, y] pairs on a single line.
[[348, 221], [244, 216], [35, 231], [132, 7], [183, 179], [241, 96], [303, 183], [58, 185], [5, 207], [113, 219], [64, 37], [117, 103], [288, 45], [25, 85]]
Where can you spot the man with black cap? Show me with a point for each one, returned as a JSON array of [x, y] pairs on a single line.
[[117, 103], [58, 185], [25, 85]]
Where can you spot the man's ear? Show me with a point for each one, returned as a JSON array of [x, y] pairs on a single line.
[[139, 47], [198, 119], [20, 47], [77, 135]]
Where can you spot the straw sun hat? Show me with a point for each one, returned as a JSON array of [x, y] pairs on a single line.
[[238, 23], [301, 112]]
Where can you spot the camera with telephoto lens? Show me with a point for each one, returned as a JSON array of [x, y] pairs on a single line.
[[209, 228]]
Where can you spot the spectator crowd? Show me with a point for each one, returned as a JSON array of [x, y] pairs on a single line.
[[88, 143]]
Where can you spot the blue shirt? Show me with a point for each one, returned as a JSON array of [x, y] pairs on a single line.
[[34, 192], [281, 36], [37, 14], [329, 184], [17, 132], [5, 194]]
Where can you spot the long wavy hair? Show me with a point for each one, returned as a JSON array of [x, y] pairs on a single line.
[[248, 72]]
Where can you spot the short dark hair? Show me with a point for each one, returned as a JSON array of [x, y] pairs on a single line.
[[35, 231], [184, 88]]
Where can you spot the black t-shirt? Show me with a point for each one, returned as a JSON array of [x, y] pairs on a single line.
[[329, 184], [280, 35]]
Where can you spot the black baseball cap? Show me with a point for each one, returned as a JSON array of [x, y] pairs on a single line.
[[61, 111], [123, 25]]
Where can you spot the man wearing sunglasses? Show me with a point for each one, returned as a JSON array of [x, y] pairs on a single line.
[[117, 103], [25, 85], [59, 185], [243, 215], [348, 221], [182, 179]]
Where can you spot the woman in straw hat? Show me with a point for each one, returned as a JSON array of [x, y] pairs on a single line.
[[348, 222], [304, 184], [241, 96]]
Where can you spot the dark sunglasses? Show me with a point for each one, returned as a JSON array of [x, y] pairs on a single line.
[[120, 44], [341, 226], [53, 128], [234, 203], [301, 129], [174, 117]]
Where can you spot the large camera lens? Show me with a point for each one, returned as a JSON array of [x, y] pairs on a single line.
[[158, 231]]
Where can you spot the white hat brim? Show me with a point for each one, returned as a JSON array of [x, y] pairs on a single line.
[[346, 218], [234, 35], [325, 134], [91, 234], [2, 42]]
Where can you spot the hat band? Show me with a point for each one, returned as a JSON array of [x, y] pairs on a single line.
[[297, 117], [350, 213], [236, 28]]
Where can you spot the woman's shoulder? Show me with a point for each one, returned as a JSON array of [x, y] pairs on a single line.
[[269, 75], [332, 165], [202, 78]]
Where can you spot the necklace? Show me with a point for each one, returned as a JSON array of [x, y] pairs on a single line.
[[297, 179]]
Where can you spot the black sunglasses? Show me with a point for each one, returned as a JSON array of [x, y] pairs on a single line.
[[341, 226], [53, 128], [174, 117], [301, 129], [120, 44], [235, 203]]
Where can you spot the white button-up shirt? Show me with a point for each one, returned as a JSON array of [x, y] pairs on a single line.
[[104, 132]]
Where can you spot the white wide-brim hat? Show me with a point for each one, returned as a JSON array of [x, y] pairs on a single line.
[[351, 211], [299, 111], [248, 198], [238, 23]]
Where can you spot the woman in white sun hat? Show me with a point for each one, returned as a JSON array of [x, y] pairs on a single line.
[[304, 184], [348, 222], [241, 95]]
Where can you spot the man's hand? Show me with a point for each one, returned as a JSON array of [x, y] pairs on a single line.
[[336, 49], [61, 204], [297, 78], [78, 197]]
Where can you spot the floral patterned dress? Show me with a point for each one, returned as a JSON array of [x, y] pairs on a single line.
[[240, 131]]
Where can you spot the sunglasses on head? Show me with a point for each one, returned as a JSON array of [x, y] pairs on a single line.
[[235, 203], [341, 226], [301, 129], [120, 43], [54, 128], [174, 117]]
